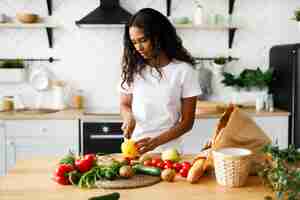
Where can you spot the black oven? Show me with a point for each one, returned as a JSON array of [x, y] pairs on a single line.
[[100, 136]]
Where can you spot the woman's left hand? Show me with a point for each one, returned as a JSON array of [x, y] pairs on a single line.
[[146, 144]]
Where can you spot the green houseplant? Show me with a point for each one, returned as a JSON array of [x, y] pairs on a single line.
[[220, 60], [219, 64], [249, 79], [281, 172], [12, 70], [248, 85], [13, 64], [297, 15]]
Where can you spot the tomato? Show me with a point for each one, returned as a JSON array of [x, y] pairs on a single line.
[[61, 180], [155, 161], [92, 157], [184, 172], [160, 165], [168, 164], [63, 169], [177, 166], [84, 164], [186, 165], [147, 163]]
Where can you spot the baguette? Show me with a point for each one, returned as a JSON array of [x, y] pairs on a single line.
[[197, 170]]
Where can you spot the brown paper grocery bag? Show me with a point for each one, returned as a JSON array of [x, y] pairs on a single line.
[[237, 129]]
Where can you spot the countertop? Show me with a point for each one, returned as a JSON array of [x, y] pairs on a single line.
[[31, 179], [71, 114]]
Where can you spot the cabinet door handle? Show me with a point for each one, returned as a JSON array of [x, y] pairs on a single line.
[[106, 136], [12, 144]]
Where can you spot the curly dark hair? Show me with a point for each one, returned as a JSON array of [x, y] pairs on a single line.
[[163, 37]]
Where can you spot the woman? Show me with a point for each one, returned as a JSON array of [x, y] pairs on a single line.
[[159, 86]]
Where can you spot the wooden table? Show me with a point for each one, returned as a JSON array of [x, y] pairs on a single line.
[[31, 179]]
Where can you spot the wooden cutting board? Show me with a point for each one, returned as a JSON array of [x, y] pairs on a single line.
[[210, 107], [138, 180]]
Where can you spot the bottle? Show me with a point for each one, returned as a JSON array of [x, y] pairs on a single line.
[[8, 103], [198, 15], [270, 103], [78, 99], [259, 103]]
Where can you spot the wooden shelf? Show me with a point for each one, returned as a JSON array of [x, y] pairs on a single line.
[[204, 27], [33, 25], [231, 30], [47, 26]]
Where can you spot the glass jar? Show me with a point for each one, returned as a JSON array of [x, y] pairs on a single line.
[[78, 99], [8, 103]]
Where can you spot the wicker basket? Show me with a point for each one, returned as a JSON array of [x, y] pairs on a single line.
[[232, 166]]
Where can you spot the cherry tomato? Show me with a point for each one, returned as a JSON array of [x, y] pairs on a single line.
[[147, 163], [177, 166], [61, 180], [160, 165], [184, 172], [168, 164], [63, 169], [186, 165], [155, 161]]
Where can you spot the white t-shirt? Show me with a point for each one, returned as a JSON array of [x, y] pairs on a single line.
[[156, 103]]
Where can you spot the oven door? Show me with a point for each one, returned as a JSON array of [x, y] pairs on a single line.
[[101, 137]]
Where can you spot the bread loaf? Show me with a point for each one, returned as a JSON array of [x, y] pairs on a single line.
[[197, 170]]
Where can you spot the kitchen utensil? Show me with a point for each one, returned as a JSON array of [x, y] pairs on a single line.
[[27, 17], [40, 79], [232, 166], [59, 95]]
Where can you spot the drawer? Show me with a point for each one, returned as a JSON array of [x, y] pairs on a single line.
[[42, 128]]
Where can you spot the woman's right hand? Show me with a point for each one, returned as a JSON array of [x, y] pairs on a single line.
[[128, 125]]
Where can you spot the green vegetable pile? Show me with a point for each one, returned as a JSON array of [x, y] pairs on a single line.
[[84, 171], [281, 173], [99, 172], [249, 78]]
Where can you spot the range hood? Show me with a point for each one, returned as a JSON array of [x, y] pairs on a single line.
[[109, 13]]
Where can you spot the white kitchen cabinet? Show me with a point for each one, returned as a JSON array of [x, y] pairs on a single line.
[[276, 127], [31, 138], [2, 149]]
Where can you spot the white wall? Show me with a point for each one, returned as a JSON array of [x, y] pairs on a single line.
[[90, 58]]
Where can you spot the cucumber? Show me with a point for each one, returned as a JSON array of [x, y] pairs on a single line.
[[111, 196], [141, 169]]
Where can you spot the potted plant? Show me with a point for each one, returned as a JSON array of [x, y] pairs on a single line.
[[219, 64], [280, 172], [12, 70], [249, 84], [297, 16]]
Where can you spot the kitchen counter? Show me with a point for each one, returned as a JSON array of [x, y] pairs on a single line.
[[30, 179], [250, 111], [67, 114], [70, 114]]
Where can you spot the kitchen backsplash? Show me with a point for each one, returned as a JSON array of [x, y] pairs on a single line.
[[90, 57]]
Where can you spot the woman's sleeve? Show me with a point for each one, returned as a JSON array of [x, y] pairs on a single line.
[[190, 85], [125, 89]]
